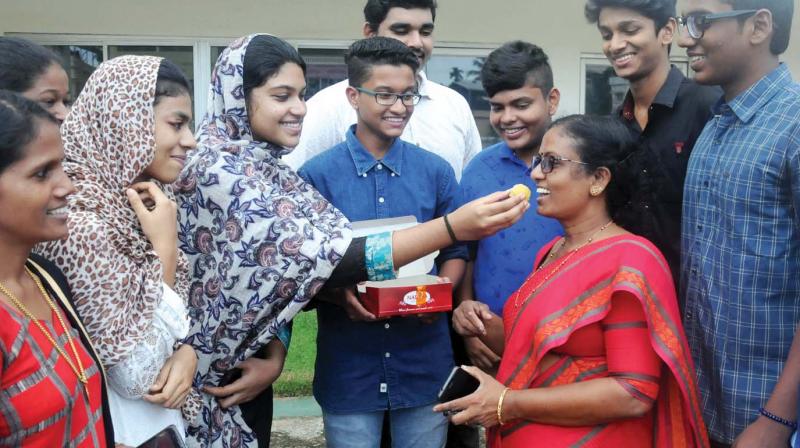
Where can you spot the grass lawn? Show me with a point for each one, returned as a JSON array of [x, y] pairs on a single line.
[[298, 372]]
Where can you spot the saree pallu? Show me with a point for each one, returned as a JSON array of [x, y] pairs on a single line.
[[557, 301]]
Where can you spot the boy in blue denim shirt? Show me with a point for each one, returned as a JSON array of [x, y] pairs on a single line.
[[367, 367]]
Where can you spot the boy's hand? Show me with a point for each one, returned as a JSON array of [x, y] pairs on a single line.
[[347, 298]]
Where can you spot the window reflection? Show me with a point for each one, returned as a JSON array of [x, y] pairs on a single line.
[[79, 62], [463, 74]]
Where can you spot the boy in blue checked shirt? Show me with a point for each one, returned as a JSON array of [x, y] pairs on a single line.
[[741, 226], [365, 367]]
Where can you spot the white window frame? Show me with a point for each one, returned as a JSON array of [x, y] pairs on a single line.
[[201, 52]]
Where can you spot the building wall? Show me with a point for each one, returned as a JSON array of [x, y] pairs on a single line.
[[462, 26]]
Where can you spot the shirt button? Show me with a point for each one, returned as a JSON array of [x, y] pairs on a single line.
[[380, 167], [381, 200], [392, 174], [388, 355], [364, 175], [386, 326]]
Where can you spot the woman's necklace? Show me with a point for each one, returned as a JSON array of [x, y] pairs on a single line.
[[79, 371], [552, 255]]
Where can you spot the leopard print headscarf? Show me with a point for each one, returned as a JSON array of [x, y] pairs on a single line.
[[114, 273]]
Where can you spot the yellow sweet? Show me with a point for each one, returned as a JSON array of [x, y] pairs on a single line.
[[521, 190]]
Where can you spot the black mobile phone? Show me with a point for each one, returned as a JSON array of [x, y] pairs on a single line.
[[459, 384], [166, 438]]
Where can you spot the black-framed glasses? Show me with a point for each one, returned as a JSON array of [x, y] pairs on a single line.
[[388, 98], [549, 162], [697, 24]]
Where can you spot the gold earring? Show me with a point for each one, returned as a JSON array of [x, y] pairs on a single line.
[[596, 190]]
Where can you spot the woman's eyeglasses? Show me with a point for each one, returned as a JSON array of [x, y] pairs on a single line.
[[388, 98], [697, 24], [549, 162]]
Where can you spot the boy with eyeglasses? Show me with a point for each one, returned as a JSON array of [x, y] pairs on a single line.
[[664, 109], [367, 367], [741, 223]]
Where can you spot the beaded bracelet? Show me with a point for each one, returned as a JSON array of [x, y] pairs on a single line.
[[500, 407], [777, 419]]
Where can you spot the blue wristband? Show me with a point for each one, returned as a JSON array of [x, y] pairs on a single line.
[[378, 257]]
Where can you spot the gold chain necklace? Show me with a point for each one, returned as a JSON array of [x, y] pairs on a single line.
[[79, 371], [553, 253]]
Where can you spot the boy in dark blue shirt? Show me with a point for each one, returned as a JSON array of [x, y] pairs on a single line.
[[365, 367], [519, 83]]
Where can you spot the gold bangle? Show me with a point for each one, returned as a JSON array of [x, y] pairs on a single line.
[[500, 406]]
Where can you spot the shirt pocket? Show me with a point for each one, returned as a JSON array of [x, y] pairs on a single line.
[[753, 211]]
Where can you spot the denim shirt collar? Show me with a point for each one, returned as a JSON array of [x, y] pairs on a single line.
[[749, 102], [507, 153], [364, 161]]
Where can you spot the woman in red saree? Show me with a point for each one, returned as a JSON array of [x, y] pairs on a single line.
[[593, 351]]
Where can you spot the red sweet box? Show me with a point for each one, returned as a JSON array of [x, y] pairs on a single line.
[[409, 295]]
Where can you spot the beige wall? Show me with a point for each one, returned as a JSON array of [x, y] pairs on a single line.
[[556, 25]]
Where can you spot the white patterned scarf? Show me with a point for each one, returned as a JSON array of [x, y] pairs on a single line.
[[260, 241]]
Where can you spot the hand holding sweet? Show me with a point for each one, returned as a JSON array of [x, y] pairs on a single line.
[[487, 215]]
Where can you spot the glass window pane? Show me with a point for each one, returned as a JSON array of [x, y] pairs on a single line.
[[183, 57], [324, 67], [79, 62], [463, 74], [604, 91]]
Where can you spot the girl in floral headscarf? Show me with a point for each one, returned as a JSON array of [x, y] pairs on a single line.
[[261, 242], [125, 140]]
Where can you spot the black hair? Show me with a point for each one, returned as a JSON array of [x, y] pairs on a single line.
[[375, 11], [604, 141], [171, 81], [782, 12], [365, 53], [19, 125], [514, 65], [659, 11], [264, 57], [22, 62]]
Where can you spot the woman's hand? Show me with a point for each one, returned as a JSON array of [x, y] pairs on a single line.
[[257, 375], [469, 318], [479, 407], [174, 381], [487, 215], [158, 216]]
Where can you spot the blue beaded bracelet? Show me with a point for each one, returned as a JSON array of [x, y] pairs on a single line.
[[777, 419]]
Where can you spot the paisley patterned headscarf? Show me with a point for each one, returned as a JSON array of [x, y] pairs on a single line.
[[109, 140], [260, 241]]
